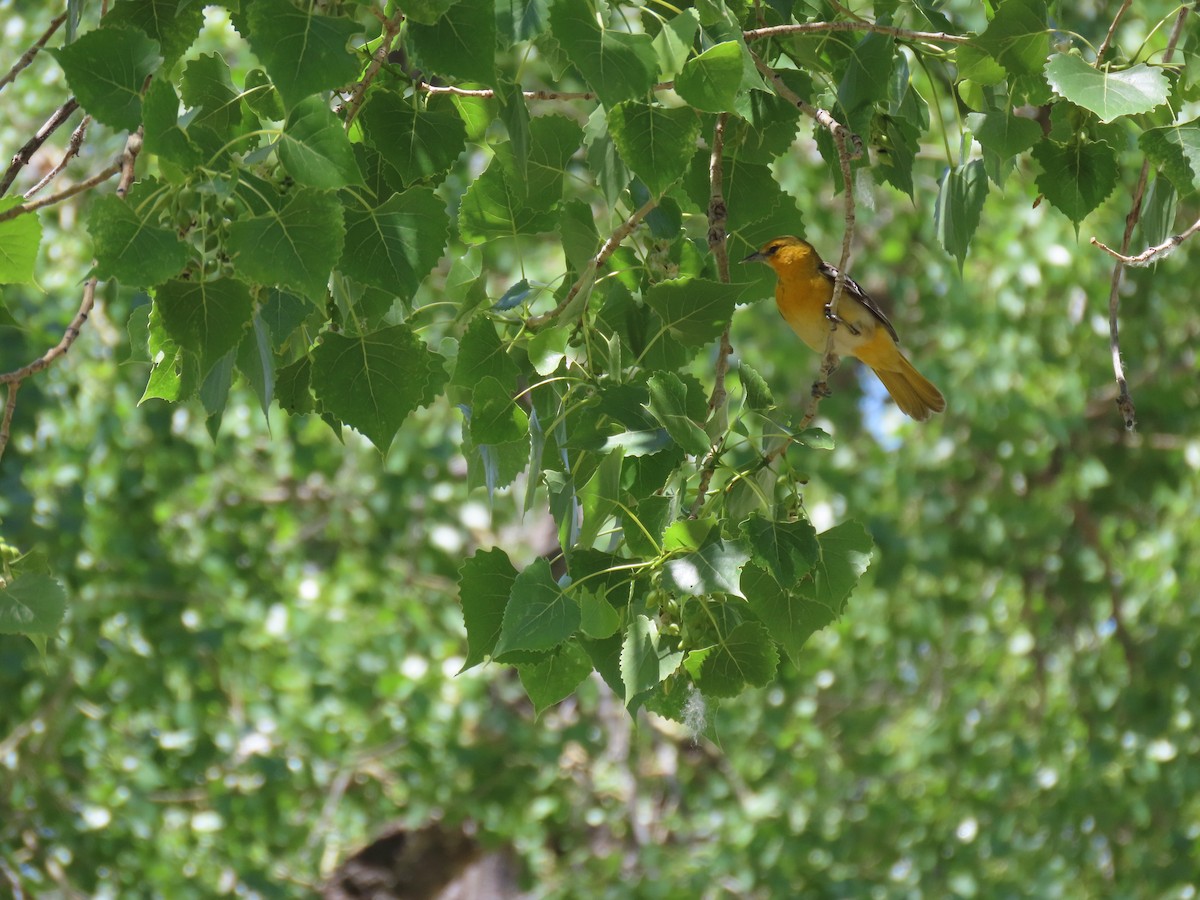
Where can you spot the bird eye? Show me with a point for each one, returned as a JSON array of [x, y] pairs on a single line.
[[772, 250]]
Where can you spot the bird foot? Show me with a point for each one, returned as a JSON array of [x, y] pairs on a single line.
[[821, 389], [836, 320]]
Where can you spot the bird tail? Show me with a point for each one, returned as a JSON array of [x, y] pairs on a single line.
[[913, 392]]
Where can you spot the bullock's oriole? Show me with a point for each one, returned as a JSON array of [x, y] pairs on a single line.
[[803, 292]]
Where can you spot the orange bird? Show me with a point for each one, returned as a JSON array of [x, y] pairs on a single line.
[[802, 294]]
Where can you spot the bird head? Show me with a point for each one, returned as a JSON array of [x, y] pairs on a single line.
[[784, 250]]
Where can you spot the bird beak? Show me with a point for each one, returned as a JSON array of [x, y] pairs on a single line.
[[756, 256]]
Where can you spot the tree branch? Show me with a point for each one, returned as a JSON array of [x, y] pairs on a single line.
[[99, 178], [1150, 255], [823, 118], [14, 378], [1124, 399], [28, 55], [74, 145], [1112, 29], [933, 37], [22, 157], [589, 274], [391, 27], [718, 214]]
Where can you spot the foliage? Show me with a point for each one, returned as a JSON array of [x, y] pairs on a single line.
[[504, 216]]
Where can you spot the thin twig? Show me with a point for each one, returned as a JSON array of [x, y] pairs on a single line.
[[933, 37], [391, 27], [1150, 255], [10, 407], [1124, 398], [1112, 29], [823, 117], [14, 378], [28, 55], [589, 274], [718, 214], [99, 178], [528, 95], [22, 157], [488, 92], [73, 147]]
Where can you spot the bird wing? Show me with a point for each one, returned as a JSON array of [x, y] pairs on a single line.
[[855, 291]]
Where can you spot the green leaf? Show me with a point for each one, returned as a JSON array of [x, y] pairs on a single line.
[[539, 615], [539, 182], [256, 362], [1109, 95], [673, 44], [758, 392], [655, 142], [394, 246], [713, 569], [555, 677], [491, 208], [293, 387], [20, 238], [616, 65], [1018, 37], [208, 89], [314, 148], [129, 244], [482, 354], [106, 69], [598, 618], [1004, 134], [646, 659], [959, 203], [160, 122], [426, 12], [262, 97], [788, 550], [710, 81], [866, 79], [205, 317], [790, 618], [172, 24], [751, 191], [645, 525], [695, 309], [746, 656], [296, 247], [373, 381], [495, 416], [1175, 149], [668, 404], [1158, 211], [1076, 177], [461, 44], [514, 113], [484, 584], [845, 554], [32, 604], [174, 372], [304, 53], [599, 498], [421, 142]]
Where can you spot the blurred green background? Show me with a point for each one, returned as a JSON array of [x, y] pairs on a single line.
[[257, 670]]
